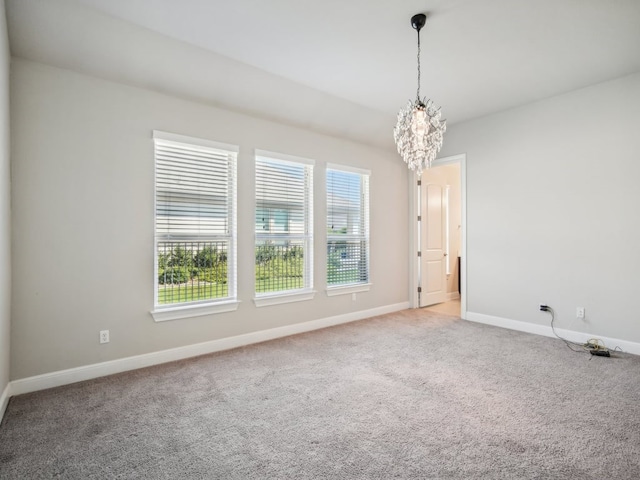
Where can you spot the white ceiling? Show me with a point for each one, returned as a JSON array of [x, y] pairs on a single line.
[[342, 67]]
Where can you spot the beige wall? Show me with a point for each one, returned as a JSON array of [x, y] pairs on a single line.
[[5, 202], [552, 209], [83, 219]]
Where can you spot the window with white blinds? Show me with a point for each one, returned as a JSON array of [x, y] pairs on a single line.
[[347, 226], [283, 224], [195, 221]]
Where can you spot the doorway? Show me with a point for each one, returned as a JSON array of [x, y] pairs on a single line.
[[439, 226]]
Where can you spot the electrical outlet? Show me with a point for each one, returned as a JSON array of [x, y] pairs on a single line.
[[104, 336], [580, 312], [353, 297]]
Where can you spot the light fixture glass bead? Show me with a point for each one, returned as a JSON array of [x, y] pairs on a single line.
[[419, 133]]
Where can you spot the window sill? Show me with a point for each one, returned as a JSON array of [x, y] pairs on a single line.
[[277, 299], [347, 289], [188, 311]]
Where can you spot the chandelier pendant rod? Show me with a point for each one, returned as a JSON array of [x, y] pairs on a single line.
[[417, 22], [418, 91]]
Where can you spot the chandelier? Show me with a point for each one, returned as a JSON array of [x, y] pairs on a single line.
[[418, 133]]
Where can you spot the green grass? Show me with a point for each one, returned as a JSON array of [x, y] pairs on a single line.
[[345, 276], [188, 293], [275, 284], [170, 294], [173, 294]]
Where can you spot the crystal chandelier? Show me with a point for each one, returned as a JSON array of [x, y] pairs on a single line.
[[418, 133]]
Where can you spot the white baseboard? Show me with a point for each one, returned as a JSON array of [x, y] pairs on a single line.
[[72, 375], [580, 337], [453, 296], [4, 400]]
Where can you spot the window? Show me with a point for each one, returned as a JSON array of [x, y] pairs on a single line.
[[284, 227], [347, 228], [195, 226]]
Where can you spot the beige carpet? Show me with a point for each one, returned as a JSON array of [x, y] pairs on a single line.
[[406, 395]]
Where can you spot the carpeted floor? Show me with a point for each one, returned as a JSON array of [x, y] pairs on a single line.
[[406, 395]]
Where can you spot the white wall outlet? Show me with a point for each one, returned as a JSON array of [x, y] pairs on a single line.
[[353, 297], [104, 336], [580, 312]]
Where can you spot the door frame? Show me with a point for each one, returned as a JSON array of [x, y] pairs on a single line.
[[414, 226]]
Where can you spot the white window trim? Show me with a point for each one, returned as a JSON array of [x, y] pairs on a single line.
[[284, 157], [347, 289], [288, 296], [194, 310], [194, 142], [346, 168], [162, 313]]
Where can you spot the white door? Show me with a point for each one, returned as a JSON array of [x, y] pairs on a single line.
[[433, 249]]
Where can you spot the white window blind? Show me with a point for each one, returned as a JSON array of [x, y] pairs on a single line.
[[195, 218], [283, 224], [347, 226]]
